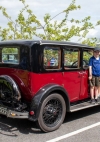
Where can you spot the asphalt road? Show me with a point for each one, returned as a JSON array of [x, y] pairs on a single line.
[[15, 130]]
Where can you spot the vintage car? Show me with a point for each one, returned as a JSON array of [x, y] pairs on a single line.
[[33, 88]]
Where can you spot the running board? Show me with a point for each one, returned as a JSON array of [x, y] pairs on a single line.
[[82, 105]]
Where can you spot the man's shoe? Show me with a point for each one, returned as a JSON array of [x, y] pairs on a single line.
[[97, 100], [93, 101]]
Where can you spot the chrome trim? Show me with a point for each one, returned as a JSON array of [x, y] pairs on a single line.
[[41, 43], [17, 114], [13, 114]]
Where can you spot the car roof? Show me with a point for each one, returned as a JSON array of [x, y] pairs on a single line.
[[42, 42]]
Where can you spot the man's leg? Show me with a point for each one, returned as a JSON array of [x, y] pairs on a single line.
[[92, 92], [92, 95], [96, 92], [99, 91]]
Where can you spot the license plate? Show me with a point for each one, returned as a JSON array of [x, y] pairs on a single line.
[[3, 110]]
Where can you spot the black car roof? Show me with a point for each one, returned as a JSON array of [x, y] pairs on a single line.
[[42, 42]]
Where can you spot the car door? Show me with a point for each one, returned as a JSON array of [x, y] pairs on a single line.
[[72, 74]]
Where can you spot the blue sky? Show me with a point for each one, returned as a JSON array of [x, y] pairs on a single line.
[[40, 7]]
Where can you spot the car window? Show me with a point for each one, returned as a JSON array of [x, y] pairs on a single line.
[[10, 55], [52, 57], [71, 58], [86, 56]]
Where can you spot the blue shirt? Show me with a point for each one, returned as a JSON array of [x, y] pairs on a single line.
[[95, 66]]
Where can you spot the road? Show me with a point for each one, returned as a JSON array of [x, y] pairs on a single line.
[[79, 126]]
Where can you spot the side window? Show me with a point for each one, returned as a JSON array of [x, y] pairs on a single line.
[[52, 58], [71, 58], [86, 56], [10, 55]]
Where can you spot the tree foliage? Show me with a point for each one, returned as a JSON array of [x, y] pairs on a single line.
[[26, 27]]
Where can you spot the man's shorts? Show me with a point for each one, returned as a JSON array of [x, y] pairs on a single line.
[[95, 81]]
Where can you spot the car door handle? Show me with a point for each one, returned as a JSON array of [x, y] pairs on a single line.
[[84, 72], [80, 72]]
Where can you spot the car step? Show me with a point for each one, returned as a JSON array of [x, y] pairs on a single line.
[[82, 105]]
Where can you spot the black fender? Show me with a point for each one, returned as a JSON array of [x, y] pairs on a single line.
[[42, 94], [11, 84]]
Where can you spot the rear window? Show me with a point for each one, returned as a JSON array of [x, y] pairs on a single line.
[[13, 56], [9, 55]]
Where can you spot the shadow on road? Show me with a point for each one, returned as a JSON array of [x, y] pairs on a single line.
[[11, 127]]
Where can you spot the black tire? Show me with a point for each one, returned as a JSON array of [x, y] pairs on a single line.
[[52, 113], [8, 85]]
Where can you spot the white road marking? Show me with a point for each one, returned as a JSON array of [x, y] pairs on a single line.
[[74, 133]]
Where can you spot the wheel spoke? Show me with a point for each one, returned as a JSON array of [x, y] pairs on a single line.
[[52, 112]]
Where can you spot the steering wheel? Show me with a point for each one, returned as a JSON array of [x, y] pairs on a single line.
[[75, 64]]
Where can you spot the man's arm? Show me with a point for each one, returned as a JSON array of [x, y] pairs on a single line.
[[90, 72]]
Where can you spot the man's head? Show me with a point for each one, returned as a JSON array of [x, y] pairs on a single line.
[[96, 51]]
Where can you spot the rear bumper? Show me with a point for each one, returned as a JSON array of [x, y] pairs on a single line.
[[13, 114]]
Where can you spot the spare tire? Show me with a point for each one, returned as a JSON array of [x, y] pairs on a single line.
[[7, 84]]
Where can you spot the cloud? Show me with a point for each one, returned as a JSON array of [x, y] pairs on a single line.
[[53, 7], [10, 5], [92, 33]]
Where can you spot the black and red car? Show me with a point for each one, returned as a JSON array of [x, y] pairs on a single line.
[[33, 88]]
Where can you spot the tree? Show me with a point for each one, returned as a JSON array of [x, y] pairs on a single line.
[[27, 27]]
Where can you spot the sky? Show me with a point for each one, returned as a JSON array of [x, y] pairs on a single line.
[[53, 7]]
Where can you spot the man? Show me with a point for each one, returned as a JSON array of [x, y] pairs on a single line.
[[94, 75]]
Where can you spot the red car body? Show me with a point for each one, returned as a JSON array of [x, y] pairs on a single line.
[[39, 91]]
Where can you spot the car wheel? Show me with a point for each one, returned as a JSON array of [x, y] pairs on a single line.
[[52, 113]]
